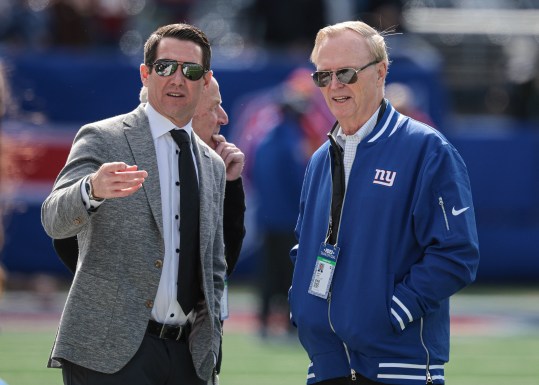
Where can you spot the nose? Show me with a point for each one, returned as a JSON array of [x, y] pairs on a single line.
[[223, 117], [177, 77], [334, 82]]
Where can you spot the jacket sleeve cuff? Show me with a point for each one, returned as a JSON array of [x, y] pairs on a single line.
[[400, 314], [405, 308]]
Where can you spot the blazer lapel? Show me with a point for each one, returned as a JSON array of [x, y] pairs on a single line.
[[139, 136]]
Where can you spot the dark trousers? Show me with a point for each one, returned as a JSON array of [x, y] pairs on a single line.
[[276, 272], [157, 362]]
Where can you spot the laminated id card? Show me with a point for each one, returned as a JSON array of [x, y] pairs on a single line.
[[323, 270]]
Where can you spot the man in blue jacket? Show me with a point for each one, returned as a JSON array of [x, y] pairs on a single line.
[[386, 228]]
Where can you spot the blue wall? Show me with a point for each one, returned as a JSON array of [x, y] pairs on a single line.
[[72, 89]]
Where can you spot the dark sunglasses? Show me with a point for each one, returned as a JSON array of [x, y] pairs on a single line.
[[167, 67], [344, 75]]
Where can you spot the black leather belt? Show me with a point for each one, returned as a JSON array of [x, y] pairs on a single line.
[[169, 332], [358, 379]]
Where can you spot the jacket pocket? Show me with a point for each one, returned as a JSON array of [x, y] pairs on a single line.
[[88, 311]]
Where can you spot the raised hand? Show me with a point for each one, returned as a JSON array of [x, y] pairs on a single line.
[[116, 180], [232, 156]]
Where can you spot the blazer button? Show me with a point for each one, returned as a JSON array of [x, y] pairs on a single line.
[[158, 263], [149, 303]]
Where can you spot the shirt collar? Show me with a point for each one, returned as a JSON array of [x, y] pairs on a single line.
[[363, 131], [159, 125]]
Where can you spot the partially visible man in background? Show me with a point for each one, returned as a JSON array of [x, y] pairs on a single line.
[[207, 121]]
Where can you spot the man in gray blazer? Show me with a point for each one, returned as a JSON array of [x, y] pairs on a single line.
[[118, 192]]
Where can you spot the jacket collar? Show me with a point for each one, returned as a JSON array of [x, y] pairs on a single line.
[[388, 121]]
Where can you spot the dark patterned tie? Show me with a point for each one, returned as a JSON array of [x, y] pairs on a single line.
[[189, 288]]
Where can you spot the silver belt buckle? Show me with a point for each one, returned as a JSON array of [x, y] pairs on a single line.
[[179, 333], [162, 332]]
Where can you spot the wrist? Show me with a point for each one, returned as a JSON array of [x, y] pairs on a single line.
[[90, 191]]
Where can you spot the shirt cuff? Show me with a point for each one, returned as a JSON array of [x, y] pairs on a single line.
[[90, 204]]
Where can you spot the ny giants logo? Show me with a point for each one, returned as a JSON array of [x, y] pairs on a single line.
[[385, 178]]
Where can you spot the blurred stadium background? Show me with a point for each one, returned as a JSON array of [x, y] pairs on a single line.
[[469, 67]]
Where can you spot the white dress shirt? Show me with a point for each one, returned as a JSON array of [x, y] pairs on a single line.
[[166, 308]]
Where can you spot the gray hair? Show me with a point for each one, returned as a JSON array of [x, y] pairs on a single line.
[[375, 40]]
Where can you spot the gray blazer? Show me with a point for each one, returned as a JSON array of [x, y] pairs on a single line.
[[121, 248]]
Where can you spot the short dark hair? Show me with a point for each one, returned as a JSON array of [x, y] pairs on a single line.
[[178, 31]]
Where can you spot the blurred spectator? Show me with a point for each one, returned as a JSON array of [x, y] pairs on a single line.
[[21, 25], [273, 26], [175, 11], [292, 26], [288, 127], [3, 103], [383, 15], [277, 176], [258, 113], [111, 19], [66, 23], [76, 23], [69, 25]]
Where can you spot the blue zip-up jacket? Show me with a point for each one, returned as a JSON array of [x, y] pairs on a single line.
[[407, 240]]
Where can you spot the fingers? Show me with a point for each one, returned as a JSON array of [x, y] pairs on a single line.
[[232, 156], [229, 152], [218, 138], [116, 180], [235, 156]]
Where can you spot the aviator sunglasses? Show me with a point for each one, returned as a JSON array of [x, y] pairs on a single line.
[[344, 75], [167, 67]]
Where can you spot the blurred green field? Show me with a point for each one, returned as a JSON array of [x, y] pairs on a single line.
[[495, 340], [249, 360]]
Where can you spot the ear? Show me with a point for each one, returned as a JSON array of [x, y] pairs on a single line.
[[382, 72], [207, 79], [144, 74]]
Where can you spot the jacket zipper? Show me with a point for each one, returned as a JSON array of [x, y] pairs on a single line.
[[428, 376], [352, 371], [441, 203]]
